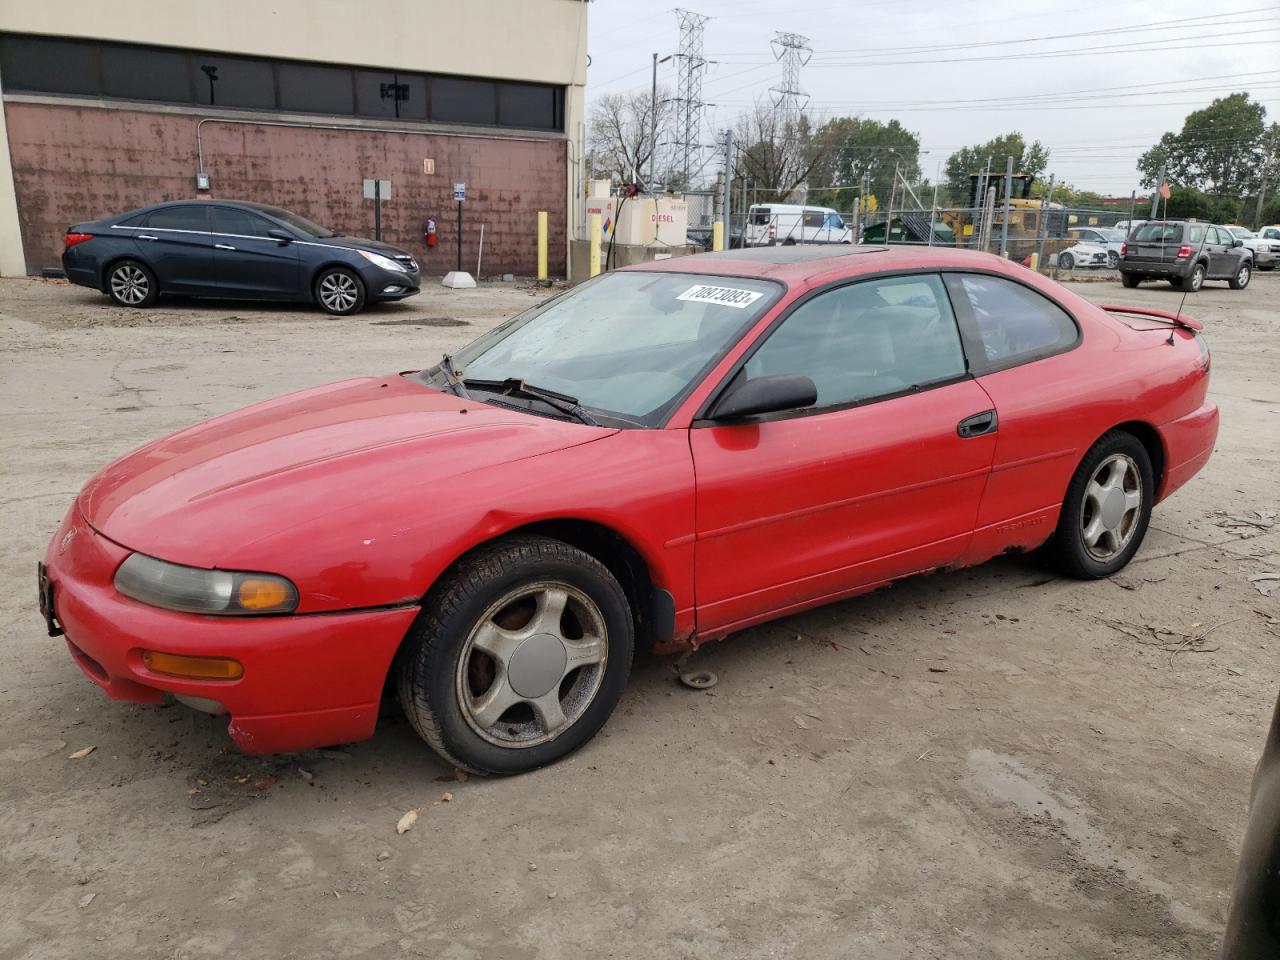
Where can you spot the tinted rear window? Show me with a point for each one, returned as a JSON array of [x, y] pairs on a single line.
[[1158, 233]]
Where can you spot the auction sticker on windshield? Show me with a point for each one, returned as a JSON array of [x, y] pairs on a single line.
[[725, 296]]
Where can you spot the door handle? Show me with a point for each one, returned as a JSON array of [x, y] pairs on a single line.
[[146, 236], [223, 246], [977, 425]]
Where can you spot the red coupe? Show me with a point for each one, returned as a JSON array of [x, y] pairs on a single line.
[[654, 459]]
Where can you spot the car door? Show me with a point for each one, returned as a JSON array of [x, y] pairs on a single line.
[[175, 242], [1215, 249], [1018, 342], [249, 262], [880, 479]]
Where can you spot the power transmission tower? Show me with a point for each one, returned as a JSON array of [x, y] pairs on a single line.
[[691, 64], [793, 52]]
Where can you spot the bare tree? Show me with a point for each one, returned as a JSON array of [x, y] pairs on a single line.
[[775, 155], [619, 134]]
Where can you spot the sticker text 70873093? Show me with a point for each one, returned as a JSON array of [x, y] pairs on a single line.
[[724, 296]]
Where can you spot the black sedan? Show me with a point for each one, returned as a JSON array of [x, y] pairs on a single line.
[[232, 248]]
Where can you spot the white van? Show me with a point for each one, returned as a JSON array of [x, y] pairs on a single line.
[[783, 224]]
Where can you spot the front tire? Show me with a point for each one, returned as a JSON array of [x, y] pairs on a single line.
[[1113, 260], [131, 283], [518, 657], [1130, 280], [1066, 261], [1106, 510], [1241, 279], [340, 291]]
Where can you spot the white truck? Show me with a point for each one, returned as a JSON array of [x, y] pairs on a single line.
[[784, 224]]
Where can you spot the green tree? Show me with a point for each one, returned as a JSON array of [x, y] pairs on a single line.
[[855, 147], [1219, 149], [1027, 158]]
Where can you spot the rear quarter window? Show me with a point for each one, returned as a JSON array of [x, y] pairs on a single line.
[[1010, 323]]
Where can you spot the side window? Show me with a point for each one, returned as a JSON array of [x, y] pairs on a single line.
[[1197, 234], [242, 223], [867, 340], [189, 216], [1014, 324], [835, 221], [137, 220], [814, 218]]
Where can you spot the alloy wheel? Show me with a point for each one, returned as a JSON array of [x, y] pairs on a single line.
[[129, 284], [338, 292], [1112, 507], [532, 664]]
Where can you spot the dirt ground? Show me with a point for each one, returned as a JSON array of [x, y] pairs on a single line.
[[994, 763]]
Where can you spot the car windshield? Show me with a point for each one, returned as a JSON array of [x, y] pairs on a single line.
[[1242, 232], [1112, 235], [627, 346], [301, 224]]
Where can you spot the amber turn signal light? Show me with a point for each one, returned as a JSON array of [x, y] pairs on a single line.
[[259, 594], [192, 668]]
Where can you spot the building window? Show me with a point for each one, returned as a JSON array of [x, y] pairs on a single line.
[[393, 96], [454, 100], [136, 73], [47, 66], [232, 81], [309, 89], [91, 68]]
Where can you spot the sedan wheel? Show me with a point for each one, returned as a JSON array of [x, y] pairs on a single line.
[[1113, 259], [339, 291], [1106, 510], [131, 284], [518, 657], [1066, 261]]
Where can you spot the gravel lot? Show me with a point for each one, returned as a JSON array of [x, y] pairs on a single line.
[[994, 763]]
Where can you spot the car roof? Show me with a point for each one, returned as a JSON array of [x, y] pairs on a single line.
[[800, 262]]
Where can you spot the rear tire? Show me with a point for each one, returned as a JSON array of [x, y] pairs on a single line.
[[1130, 280], [339, 291], [1106, 510], [1241, 279], [131, 283], [1193, 282], [494, 678]]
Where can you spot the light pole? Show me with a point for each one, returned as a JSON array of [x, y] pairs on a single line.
[[653, 122]]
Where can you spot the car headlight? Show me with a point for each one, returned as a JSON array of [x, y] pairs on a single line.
[[193, 590], [378, 260]]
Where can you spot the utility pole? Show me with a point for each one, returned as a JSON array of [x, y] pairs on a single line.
[[793, 52], [653, 126], [728, 188], [692, 63], [1155, 198], [1262, 182], [1008, 206]]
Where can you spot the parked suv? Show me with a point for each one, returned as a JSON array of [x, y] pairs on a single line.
[[1186, 253]]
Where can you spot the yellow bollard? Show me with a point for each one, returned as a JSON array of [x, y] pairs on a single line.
[[1035, 261], [717, 235], [542, 246], [593, 260]]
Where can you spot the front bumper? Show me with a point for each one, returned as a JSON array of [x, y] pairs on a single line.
[[309, 680], [383, 285]]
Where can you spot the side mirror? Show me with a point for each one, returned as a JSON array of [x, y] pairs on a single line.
[[1237, 242], [279, 235], [771, 394]]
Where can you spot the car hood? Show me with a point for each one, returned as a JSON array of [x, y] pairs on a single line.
[[360, 243], [198, 496]]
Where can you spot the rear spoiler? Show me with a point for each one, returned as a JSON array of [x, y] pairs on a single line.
[[1175, 318]]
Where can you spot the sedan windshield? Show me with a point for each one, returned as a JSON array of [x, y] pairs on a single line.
[[625, 346]]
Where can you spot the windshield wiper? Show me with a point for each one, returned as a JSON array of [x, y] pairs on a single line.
[[514, 386], [452, 379]]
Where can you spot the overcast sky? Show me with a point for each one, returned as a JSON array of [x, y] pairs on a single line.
[[1096, 109]]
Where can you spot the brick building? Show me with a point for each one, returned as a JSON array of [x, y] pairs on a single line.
[[107, 107]]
